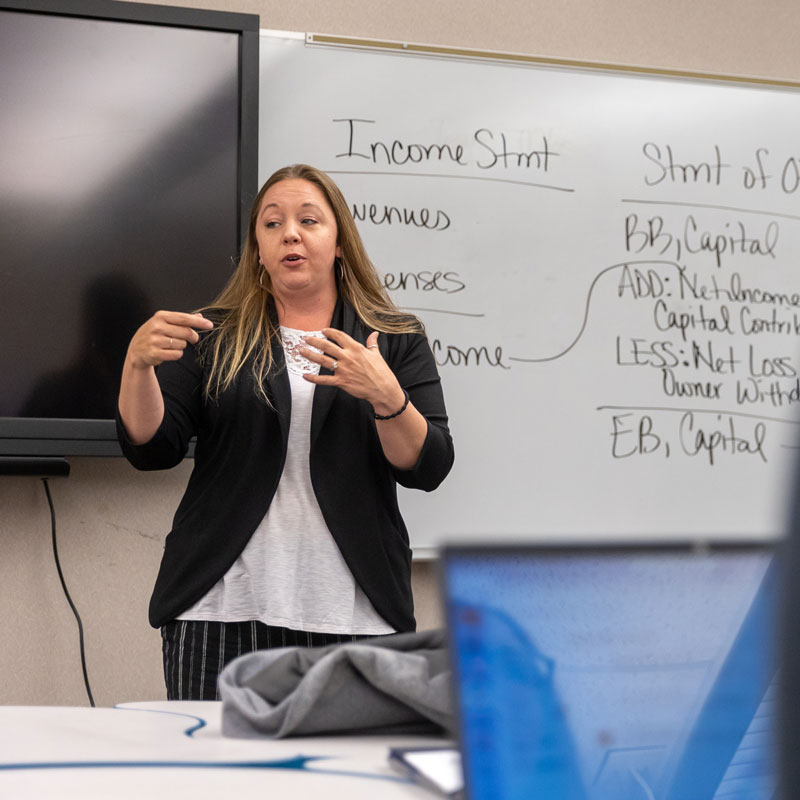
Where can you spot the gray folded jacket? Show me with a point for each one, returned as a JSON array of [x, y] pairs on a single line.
[[396, 684]]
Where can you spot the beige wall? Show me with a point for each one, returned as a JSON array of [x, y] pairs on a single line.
[[111, 519], [741, 37]]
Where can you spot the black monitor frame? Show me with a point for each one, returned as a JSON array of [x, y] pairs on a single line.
[[38, 437]]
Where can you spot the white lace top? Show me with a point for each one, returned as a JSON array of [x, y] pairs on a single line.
[[291, 573], [292, 341]]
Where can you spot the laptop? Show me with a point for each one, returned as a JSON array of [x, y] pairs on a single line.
[[614, 671]]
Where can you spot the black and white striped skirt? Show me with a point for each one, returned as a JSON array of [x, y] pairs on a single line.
[[194, 652]]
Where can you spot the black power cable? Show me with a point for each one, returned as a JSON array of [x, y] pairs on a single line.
[[66, 592]]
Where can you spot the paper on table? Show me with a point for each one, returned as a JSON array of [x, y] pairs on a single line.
[[437, 768]]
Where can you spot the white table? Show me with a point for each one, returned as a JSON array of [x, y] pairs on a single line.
[[175, 750]]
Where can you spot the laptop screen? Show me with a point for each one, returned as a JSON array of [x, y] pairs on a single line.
[[632, 673]]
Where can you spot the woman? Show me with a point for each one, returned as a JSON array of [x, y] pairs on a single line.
[[311, 397]]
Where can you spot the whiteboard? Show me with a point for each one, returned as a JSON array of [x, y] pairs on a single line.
[[606, 264]]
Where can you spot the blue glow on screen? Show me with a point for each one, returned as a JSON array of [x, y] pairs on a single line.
[[646, 676]]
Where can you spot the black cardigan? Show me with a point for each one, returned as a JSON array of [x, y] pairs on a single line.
[[239, 457]]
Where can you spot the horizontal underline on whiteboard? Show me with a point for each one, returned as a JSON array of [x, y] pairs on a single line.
[[700, 411], [442, 311], [709, 205], [453, 177]]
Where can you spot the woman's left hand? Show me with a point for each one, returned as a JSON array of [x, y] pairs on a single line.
[[359, 370]]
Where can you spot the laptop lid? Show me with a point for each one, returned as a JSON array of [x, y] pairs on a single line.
[[632, 672]]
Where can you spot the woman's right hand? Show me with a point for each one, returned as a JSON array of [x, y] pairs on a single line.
[[164, 338]]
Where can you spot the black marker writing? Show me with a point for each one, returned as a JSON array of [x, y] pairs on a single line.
[[672, 171]]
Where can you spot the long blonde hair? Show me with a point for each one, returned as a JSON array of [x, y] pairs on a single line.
[[244, 328]]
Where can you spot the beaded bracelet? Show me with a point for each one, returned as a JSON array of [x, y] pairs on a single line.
[[396, 413]]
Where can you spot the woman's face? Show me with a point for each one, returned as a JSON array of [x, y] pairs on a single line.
[[297, 239]]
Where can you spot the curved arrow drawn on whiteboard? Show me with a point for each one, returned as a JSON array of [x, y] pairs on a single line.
[[586, 309]]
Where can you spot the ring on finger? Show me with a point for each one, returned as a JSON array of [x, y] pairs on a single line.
[[170, 343], [334, 365]]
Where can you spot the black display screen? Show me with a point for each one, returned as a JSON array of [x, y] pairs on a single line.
[[127, 162]]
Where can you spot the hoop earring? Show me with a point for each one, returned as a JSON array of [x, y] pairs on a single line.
[[340, 263], [261, 272]]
